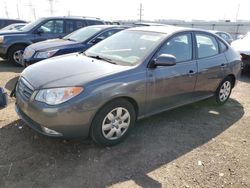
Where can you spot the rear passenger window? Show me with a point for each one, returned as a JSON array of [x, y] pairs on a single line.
[[80, 24], [94, 22], [69, 26], [207, 45], [179, 46]]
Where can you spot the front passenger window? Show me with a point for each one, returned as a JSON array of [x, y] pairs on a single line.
[[53, 27], [179, 46]]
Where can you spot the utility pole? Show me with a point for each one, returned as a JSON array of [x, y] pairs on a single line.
[[141, 12], [237, 13], [51, 7], [33, 10], [17, 8], [6, 9]]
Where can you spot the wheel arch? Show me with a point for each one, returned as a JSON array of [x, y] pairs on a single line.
[[17, 44], [233, 78], [129, 99]]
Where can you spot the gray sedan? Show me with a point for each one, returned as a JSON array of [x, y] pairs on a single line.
[[131, 75]]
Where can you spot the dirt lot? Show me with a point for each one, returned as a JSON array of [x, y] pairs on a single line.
[[199, 145]]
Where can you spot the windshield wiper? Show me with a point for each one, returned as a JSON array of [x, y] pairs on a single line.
[[71, 39], [101, 58]]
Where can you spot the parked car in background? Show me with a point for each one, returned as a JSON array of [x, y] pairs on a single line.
[[226, 36], [13, 43], [137, 24], [15, 26], [131, 75], [78, 41], [242, 45], [5, 22]]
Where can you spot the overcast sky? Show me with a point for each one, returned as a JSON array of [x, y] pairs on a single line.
[[129, 9]]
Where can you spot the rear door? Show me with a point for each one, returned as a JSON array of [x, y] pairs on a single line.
[[174, 85], [211, 64]]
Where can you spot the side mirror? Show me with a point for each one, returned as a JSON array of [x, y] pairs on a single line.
[[164, 60], [39, 31], [96, 40]]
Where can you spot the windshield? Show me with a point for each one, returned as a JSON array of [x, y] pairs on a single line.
[[31, 25], [127, 47], [82, 34]]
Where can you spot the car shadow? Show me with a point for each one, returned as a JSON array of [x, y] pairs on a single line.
[[41, 162], [8, 67], [245, 75], [11, 83]]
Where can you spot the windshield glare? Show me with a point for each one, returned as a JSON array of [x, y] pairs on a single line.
[[127, 47], [31, 25], [82, 34]]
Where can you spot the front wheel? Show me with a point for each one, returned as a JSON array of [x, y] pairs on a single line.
[[113, 122], [15, 54], [223, 91]]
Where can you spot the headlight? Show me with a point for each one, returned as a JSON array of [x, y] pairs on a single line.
[[57, 95], [28, 53], [46, 54], [1, 39]]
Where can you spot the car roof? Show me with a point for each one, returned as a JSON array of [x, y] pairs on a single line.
[[73, 17], [167, 29], [109, 26]]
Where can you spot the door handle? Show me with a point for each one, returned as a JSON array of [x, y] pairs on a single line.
[[191, 73], [223, 65]]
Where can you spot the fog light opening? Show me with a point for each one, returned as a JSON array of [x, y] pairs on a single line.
[[51, 132]]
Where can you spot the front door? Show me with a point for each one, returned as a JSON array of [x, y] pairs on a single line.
[[50, 30], [172, 86]]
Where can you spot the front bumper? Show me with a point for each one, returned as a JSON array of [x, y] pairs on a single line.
[[27, 62], [3, 51], [68, 122], [245, 60]]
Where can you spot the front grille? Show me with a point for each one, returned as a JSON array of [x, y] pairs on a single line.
[[24, 89]]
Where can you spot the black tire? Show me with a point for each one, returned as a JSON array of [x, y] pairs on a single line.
[[96, 131], [12, 51], [218, 94]]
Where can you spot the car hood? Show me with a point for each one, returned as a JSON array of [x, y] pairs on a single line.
[[11, 32], [242, 46], [68, 70], [53, 44]]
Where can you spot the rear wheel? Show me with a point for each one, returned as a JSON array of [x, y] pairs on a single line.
[[15, 54], [113, 122], [224, 90]]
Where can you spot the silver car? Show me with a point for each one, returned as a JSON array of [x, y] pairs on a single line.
[[131, 75]]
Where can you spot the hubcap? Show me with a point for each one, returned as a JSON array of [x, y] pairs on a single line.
[[225, 91], [18, 55], [116, 123]]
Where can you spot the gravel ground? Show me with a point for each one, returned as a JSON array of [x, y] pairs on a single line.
[[199, 145]]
